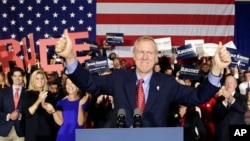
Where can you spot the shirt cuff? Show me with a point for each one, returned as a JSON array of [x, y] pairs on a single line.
[[214, 80], [8, 117], [70, 68], [20, 116]]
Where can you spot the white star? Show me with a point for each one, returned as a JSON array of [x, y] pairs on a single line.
[[81, 8], [29, 22], [30, 8], [72, 1], [38, 1], [13, 22], [13, 36], [55, 15], [37, 42], [46, 8], [90, 1], [46, 35], [46, 22], [21, 43], [89, 28], [4, 29], [21, 1], [4, 15], [72, 28], [64, 21], [12, 8], [4, 1], [21, 15], [80, 21], [38, 28], [38, 15], [55, 28], [72, 15], [55, 1], [64, 8], [54, 56], [21, 29], [21, 57], [89, 15], [29, 50]]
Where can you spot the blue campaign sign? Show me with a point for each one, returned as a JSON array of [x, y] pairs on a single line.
[[189, 71], [115, 38], [242, 62], [97, 65], [185, 52]]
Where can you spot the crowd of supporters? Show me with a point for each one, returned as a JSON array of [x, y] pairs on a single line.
[[55, 102]]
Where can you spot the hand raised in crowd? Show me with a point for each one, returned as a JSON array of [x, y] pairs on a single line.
[[221, 60], [228, 95], [64, 48], [84, 99], [42, 96]]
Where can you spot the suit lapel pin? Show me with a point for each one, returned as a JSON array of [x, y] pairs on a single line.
[[158, 88]]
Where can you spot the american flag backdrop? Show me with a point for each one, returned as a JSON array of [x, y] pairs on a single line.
[[211, 20], [46, 18]]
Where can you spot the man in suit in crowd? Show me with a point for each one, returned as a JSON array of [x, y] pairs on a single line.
[[229, 109], [11, 117], [159, 89]]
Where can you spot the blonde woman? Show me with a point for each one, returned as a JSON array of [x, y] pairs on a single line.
[[39, 123], [70, 113], [3, 81]]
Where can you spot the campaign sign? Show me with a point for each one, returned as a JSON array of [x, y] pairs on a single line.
[[209, 49], [197, 44], [97, 65], [164, 45], [186, 51], [189, 71], [242, 62], [114, 39]]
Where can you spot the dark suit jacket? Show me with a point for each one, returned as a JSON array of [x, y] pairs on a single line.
[[192, 121], [224, 117], [7, 106], [164, 89]]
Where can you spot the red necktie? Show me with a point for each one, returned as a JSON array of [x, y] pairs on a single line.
[[140, 97], [16, 97]]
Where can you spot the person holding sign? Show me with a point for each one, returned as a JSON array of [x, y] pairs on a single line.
[[159, 89]]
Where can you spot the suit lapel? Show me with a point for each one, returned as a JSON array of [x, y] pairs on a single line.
[[130, 88], [10, 98], [153, 93], [20, 99]]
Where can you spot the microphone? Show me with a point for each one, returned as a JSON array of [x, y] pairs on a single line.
[[137, 118], [121, 115]]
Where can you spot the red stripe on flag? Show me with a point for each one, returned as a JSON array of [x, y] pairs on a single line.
[[164, 19]]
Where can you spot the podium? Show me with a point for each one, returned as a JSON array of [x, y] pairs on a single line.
[[130, 134]]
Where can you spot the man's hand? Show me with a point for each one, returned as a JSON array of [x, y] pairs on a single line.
[[64, 48], [221, 60], [14, 115]]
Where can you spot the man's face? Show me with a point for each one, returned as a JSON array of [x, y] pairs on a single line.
[[230, 84], [17, 78], [53, 88], [247, 77], [145, 56]]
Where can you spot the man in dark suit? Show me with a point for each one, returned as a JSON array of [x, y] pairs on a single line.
[[11, 117], [159, 89], [229, 109]]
